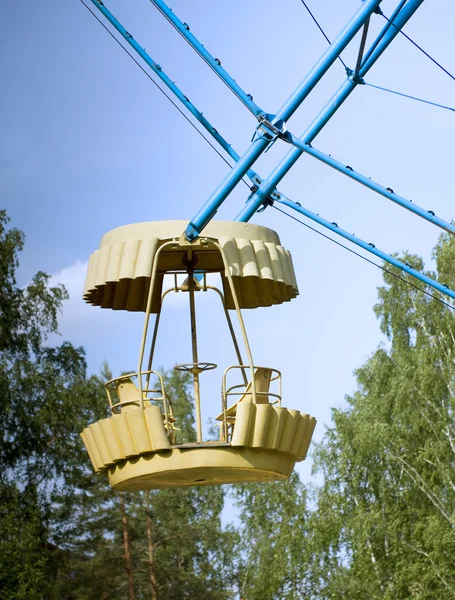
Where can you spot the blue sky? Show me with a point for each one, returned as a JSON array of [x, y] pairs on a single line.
[[89, 144]]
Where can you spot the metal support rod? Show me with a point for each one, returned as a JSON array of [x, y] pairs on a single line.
[[387, 192], [197, 393], [327, 59], [239, 316], [363, 41], [327, 113], [370, 248], [147, 319], [152, 346], [210, 208], [156, 68], [231, 331], [213, 63], [155, 335], [384, 29], [203, 216]]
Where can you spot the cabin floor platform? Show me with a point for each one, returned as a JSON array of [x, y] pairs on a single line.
[[200, 465]]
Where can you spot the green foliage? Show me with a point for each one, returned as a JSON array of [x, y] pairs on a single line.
[[379, 526], [27, 316], [62, 527], [192, 553], [274, 533], [25, 566], [385, 519], [46, 400], [178, 389]]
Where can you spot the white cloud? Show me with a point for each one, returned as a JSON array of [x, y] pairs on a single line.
[[95, 329], [73, 278]]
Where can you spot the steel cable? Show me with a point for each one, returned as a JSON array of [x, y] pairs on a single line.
[[321, 30], [159, 88], [418, 47], [327, 237]]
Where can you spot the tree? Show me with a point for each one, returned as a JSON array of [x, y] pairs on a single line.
[[165, 544], [45, 399], [274, 556], [385, 519], [179, 545]]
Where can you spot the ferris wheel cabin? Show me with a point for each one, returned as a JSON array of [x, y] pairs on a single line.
[[139, 445]]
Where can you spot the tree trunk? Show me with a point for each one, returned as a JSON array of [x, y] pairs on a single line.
[[127, 549], [151, 562]]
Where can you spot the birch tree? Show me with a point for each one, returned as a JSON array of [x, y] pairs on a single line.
[[384, 527]]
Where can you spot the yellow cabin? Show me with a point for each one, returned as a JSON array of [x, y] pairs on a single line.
[[259, 439]]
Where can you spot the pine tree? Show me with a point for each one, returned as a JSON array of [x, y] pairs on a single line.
[[179, 546]]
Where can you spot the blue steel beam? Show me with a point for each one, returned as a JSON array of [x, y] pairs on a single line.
[[260, 144], [253, 176], [387, 192], [156, 68], [213, 63], [369, 247], [385, 38]]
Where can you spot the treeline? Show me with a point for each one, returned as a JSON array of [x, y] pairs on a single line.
[[378, 525]]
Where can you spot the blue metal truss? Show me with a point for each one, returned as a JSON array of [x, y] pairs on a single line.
[[214, 63], [387, 192], [272, 127], [380, 44]]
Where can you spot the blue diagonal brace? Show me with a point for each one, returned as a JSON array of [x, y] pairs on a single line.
[[387, 192], [383, 41], [261, 143], [369, 247], [156, 68], [214, 63]]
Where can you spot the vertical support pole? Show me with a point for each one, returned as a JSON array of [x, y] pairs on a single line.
[[148, 309], [152, 349], [195, 371], [239, 316], [231, 331]]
